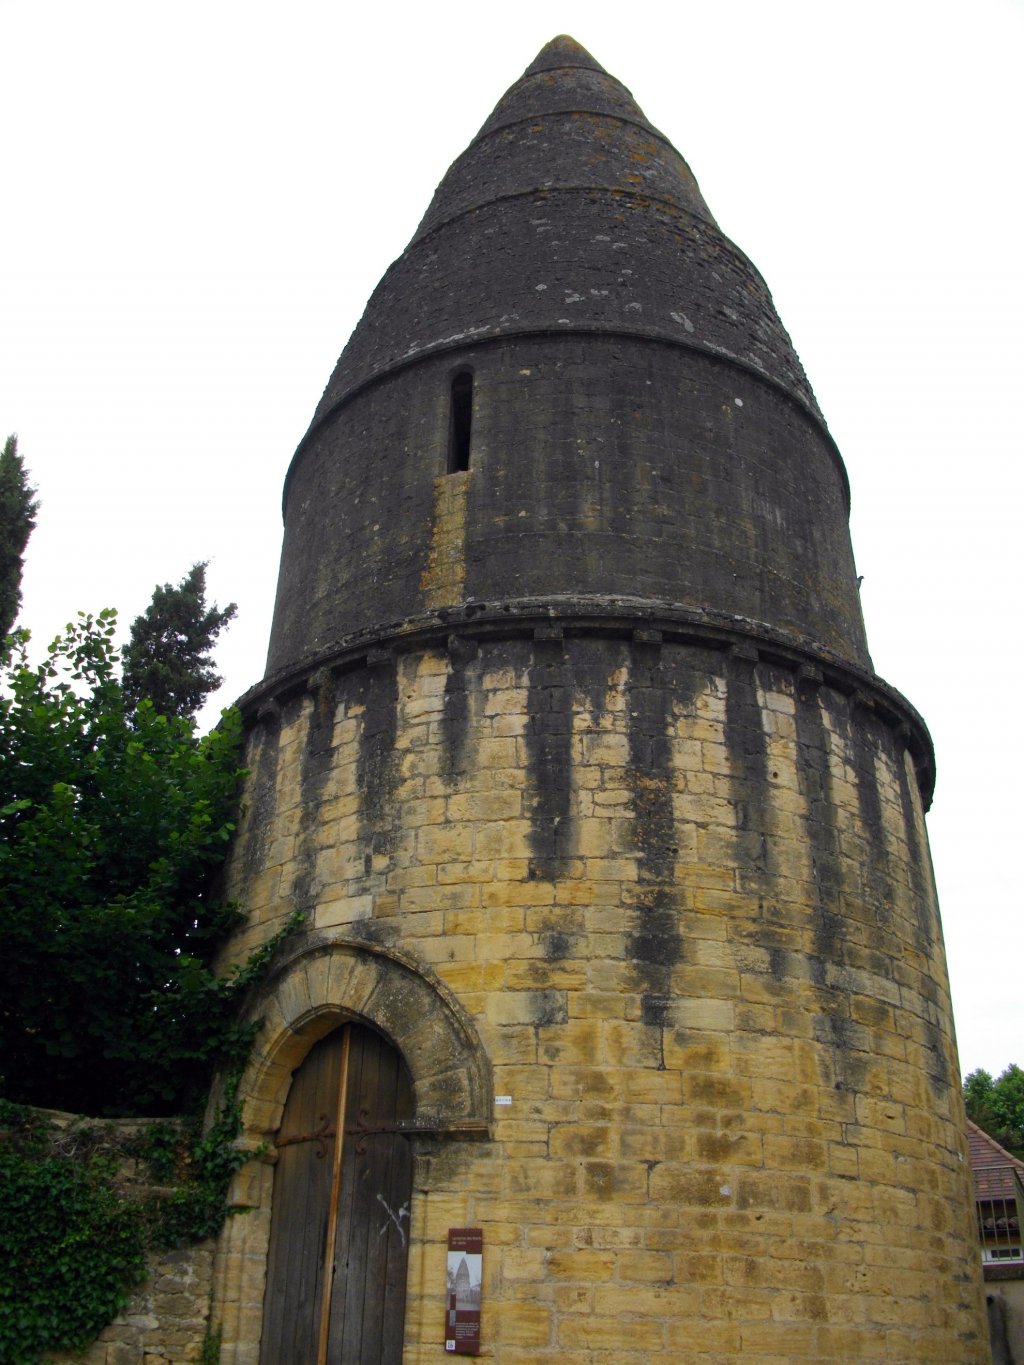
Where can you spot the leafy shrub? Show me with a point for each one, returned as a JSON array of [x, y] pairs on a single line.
[[113, 820]]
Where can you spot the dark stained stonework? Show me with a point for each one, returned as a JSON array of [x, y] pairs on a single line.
[[655, 944], [377, 768], [251, 840], [745, 741], [455, 717], [548, 735], [823, 837], [920, 864], [316, 767]]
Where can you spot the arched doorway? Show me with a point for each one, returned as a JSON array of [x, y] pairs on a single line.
[[339, 1233]]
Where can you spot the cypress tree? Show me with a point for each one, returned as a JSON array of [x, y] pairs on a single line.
[[168, 657], [18, 507]]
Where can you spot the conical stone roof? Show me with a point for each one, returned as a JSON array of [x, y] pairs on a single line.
[[592, 136], [644, 443], [569, 212]]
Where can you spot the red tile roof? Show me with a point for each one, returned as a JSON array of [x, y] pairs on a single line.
[[991, 1165]]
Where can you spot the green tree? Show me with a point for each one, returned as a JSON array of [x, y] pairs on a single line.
[[978, 1096], [18, 507], [998, 1105], [169, 655], [112, 819]]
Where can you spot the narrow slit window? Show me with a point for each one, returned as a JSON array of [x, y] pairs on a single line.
[[461, 423]]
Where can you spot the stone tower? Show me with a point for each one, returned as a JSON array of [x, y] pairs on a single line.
[[621, 943]]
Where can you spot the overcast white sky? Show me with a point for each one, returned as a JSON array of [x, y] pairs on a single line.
[[198, 199]]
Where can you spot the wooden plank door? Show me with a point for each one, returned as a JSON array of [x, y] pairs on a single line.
[[336, 1267], [368, 1295], [303, 1179]]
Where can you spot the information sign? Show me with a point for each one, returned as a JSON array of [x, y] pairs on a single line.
[[465, 1276]]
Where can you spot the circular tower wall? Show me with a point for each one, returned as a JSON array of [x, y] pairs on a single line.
[[569, 718]]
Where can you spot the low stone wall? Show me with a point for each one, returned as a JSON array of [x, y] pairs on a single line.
[[165, 1320]]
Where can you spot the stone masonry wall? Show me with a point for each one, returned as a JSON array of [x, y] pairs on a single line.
[[684, 896], [606, 467], [165, 1321], [166, 1317]]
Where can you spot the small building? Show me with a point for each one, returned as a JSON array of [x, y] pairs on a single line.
[[999, 1200]]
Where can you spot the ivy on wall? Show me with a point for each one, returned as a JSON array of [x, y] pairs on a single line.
[[76, 1223], [72, 1247]]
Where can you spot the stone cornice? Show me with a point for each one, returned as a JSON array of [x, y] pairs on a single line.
[[644, 622]]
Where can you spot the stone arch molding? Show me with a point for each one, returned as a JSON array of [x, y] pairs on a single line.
[[328, 980], [318, 985]]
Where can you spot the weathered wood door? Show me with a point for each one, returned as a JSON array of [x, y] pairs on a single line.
[[339, 1232]]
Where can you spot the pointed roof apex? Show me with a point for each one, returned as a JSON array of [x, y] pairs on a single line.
[[565, 79], [561, 52], [568, 181]]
